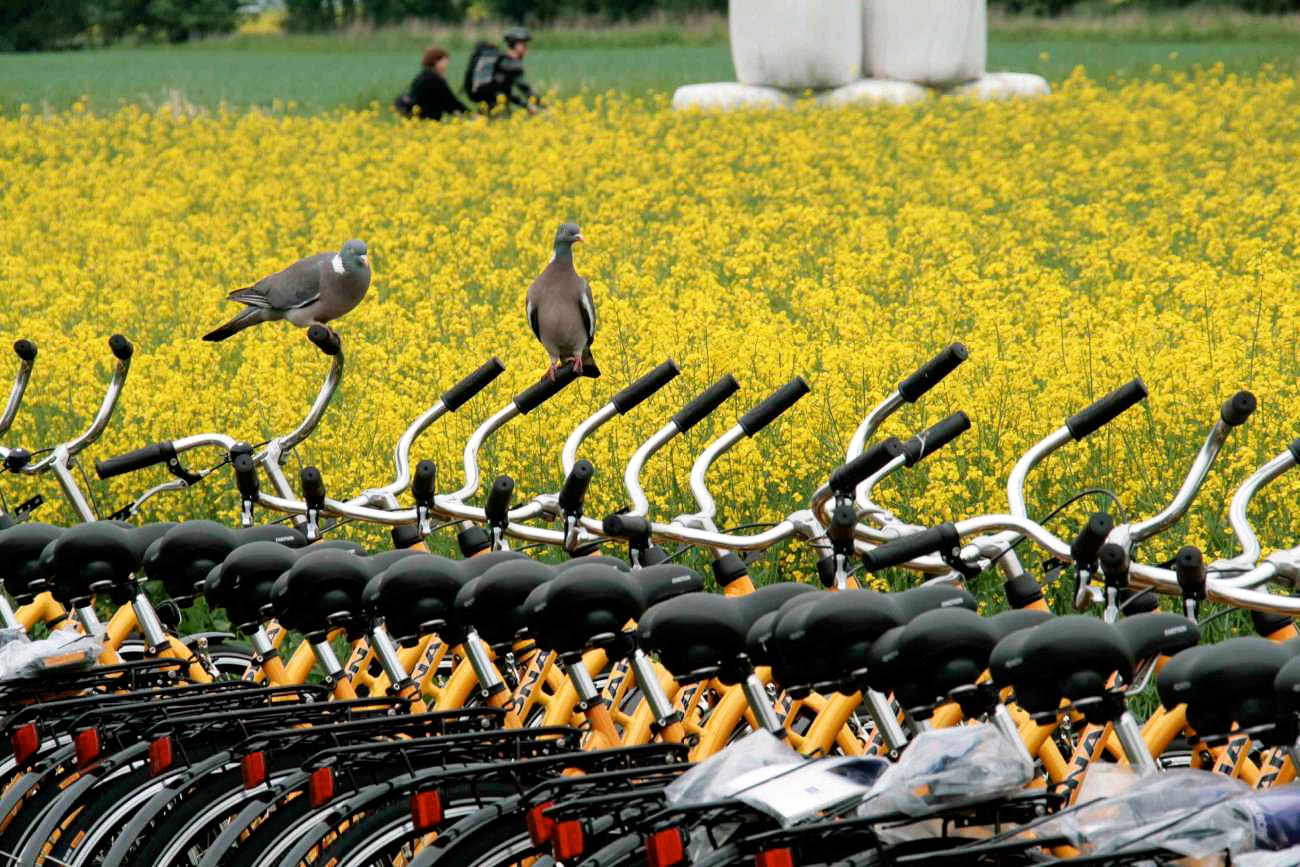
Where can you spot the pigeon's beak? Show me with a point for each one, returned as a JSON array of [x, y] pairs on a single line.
[[579, 237], [365, 259]]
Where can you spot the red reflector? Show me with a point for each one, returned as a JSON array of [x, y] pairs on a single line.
[[540, 827], [426, 810], [320, 786], [782, 857], [566, 839], [87, 744], [25, 742], [664, 848], [160, 755], [252, 768]]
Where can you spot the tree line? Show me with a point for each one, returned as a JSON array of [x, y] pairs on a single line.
[[37, 25]]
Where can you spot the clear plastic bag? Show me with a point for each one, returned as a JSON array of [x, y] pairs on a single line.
[[1155, 808], [64, 647], [949, 768], [750, 760]]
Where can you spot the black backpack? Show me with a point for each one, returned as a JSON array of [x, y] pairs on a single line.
[[480, 75]]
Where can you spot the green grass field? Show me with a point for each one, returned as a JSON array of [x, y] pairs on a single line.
[[305, 73]]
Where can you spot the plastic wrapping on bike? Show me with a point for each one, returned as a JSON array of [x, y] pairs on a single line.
[[953, 767]]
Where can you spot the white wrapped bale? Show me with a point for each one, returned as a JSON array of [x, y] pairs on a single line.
[[796, 44], [874, 91], [935, 42], [1004, 85], [728, 95]]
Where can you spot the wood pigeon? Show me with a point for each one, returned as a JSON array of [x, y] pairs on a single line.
[[309, 292], [560, 308]]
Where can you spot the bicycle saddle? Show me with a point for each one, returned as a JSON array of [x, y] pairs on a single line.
[[242, 582], [146, 534], [1233, 683], [321, 591], [416, 595], [758, 641], [1158, 634], [939, 651], [183, 556], [602, 559], [87, 558], [1005, 623], [1172, 683], [1072, 657], [837, 631], [584, 604], [927, 597], [695, 635], [493, 603], [284, 534], [665, 581], [20, 555]]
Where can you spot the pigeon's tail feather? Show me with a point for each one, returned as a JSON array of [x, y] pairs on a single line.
[[589, 367], [242, 320]]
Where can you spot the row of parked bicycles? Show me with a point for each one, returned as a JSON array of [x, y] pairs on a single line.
[[597, 704]]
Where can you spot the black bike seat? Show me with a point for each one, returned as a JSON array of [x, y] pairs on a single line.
[[664, 581], [771, 597], [493, 603], [1286, 687], [1172, 683], [476, 566], [183, 556], [416, 596], [585, 603], [284, 534], [602, 559], [838, 629], [1158, 634], [1233, 683], [321, 591], [241, 584], [93, 554], [927, 597], [20, 554], [695, 635], [939, 651], [1078, 654], [146, 534]]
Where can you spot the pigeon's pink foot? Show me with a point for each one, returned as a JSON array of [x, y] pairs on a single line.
[[550, 371], [577, 363]]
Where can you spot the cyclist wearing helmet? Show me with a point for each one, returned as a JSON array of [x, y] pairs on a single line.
[[493, 74]]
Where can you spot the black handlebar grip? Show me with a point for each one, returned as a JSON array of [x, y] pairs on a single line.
[[766, 412], [326, 341], [635, 529], [1189, 566], [1114, 563], [1237, 408], [136, 460], [645, 386], [575, 487], [313, 486], [497, 506], [929, 441], [1294, 448], [932, 372], [25, 349], [1085, 421], [246, 476], [537, 394], [460, 393], [846, 477], [1091, 537], [902, 550], [423, 481], [121, 347], [691, 414]]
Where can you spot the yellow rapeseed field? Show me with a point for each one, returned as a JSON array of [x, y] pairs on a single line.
[[1148, 228]]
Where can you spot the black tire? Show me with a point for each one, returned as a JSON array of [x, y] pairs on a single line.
[[98, 801], [180, 822], [501, 840]]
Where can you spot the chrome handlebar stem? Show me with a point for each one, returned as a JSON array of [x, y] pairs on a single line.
[[16, 394]]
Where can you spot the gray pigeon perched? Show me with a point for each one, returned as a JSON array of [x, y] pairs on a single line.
[[561, 310], [309, 292]]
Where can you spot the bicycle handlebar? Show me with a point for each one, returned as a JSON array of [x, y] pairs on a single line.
[[26, 352], [932, 372], [460, 393], [778, 402], [1089, 419], [644, 387], [543, 390], [138, 459], [929, 441]]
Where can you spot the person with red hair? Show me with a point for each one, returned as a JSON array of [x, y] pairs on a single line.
[[429, 95]]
